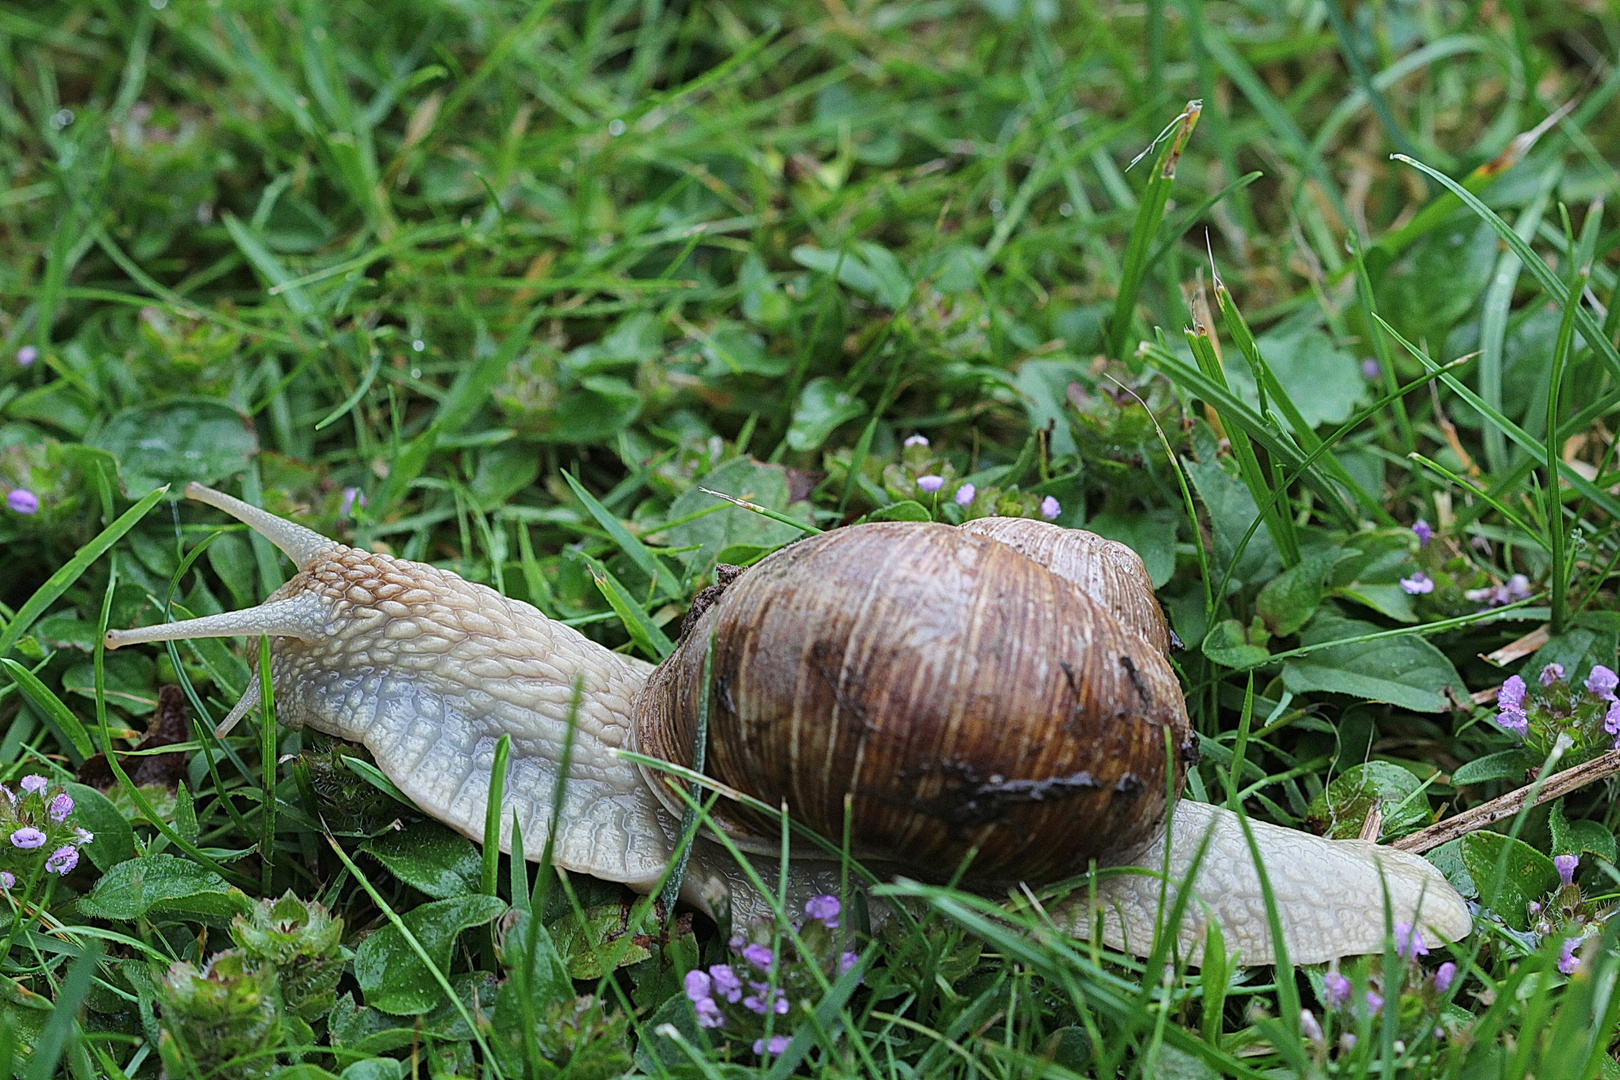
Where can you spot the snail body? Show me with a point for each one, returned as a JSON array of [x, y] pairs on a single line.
[[986, 697]]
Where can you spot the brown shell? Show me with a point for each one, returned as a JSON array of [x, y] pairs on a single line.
[[1106, 570], [963, 694]]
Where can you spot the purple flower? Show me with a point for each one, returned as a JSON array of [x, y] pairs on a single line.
[[1565, 865], [27, 838], [1443, 976], [1424, 534], [1567, 961], [930, 483], [708, 1013], [1551, 674], [758, 955], [1511, 695], [351, 495], [27, 355], [1370, 369], [85, 835], [23, 501], [62, 860], [756, 1002], [915, 440], [33, 783], [965, 493], [726, 982], [1374, 1001], [1335, 990], [1514, 720], [1347, 1042], [824, 908], [698, 985], [7, 880], [1417, 584], [779, 1044], [1518, 587], [847, 961], [1602, 682], [1491, 596], [61, 807], [1409, 942], [1050, 508], [1308, 1024]]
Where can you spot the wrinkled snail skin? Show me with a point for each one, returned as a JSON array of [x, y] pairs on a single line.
[[428, 670]]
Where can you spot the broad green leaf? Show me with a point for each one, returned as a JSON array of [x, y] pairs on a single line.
[[129, 679], [429, 857], [160, 883], [1324, 383], [1340, 810], [1576, 837], [542, 958], [1447, 858], [1228, 644], [115, 840], [821, 407], [1290, 599], [732, 347], [1404, 671], [1151, 534], [587, 948], [392, 976], [905, 510], [745, 478], [180, 440], [1232, 510], [1506, 765], [1528, 874]]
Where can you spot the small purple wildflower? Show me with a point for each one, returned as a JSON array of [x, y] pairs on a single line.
[[1370, 368], [758, 955], [61, 807], [1565, 865], [1602, 682], [1409, 942], [62, 860], [1567, 960], [726, 982], [756, 1003], [1534, 907], [847, 961], [915, 440], [698, 985], [1418, 584], [1552, 673], [825, 909], [1308, 1024], [1514, 720], [965, 493], [779, 1045], [930, 483], [351, 496], [1491, 596], [27, 355], [708, 1013], [1424, 533], [23, 501], [1347, 1042], [7, 880], [1518, 587], [1051, 508], [84, 835], [27, 838], [1335, 990], [1374, 1001], [1443, 976], [1511, 695]]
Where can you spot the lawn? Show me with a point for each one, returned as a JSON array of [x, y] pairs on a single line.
[[1311, 304]]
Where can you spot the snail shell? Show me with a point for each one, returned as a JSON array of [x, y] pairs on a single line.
[[967, 699]]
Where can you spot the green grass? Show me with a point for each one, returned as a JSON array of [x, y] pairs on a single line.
[[503, 287]]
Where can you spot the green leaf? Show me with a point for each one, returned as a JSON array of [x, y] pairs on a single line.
[[588, 947], [157, 883], [1290, 599], [1529, 875], [182, 439], [661, 577], [1232, 510], [1404, 671], [1152, 535], [391, 975], [821, 407], [905, 510], [115, 840], [1227, 644], [1339, 810], [1506, 765], [744, 478], [1447, 858], [732, 347], [1324, 383], [58, 715], [1576, 837], [429, 857]]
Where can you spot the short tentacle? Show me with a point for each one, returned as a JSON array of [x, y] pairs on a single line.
[[303, 546], [243, 706], [303, 616]]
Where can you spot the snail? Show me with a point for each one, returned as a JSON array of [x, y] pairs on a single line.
[[995, 699]]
